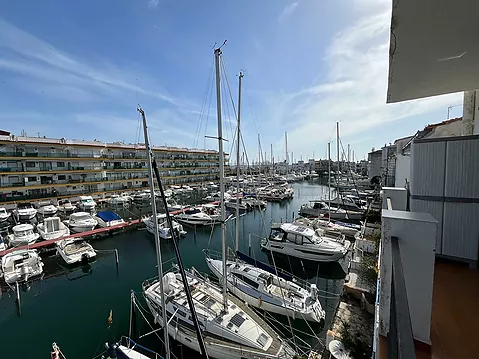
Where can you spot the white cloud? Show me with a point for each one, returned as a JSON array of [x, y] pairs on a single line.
[[153, 4], [32, 58], [287, 11], [353, 91]]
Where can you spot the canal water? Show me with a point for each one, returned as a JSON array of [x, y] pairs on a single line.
[[71, 306]]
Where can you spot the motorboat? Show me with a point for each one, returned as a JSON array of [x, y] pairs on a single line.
[[318, 208], [348, 229], [163, 227], [267, 291], [81, 222], [3, 246], [117, 200], [255, 203], [126, 197], [108, 219], [21, 265], [75, 250], [126, 348], [23, 235], [141, 196], [47, 209], [65, 206], [235, 333], [242, 205], [25, 211], [86, 203], [52, 228], [196, 216], [4, 215], [303, 242], [174, 206]]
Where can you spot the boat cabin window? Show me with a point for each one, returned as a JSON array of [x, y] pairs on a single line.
[[295, 238], [22, 233], [277, 234], [193, 211]]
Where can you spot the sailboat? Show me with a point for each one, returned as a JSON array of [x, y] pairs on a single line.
[[228, 328], [258, 287]]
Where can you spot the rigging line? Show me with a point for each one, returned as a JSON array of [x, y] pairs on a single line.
[[255, 122], [208, 115], [203, 105], [226, 107], [153, 330]]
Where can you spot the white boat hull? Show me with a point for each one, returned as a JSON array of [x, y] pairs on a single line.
[[304, 253], [215, 350], [22, 241], [82, 228], [262, 304]]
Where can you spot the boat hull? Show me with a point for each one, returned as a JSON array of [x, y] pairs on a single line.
[[285, 248], [217, 350], [267, 303]]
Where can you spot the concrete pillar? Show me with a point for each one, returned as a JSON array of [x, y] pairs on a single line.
[[469, 112], [398, 196]]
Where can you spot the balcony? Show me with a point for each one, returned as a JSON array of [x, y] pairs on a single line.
[[427, 306]]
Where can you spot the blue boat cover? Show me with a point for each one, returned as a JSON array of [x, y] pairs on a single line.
[[108, 216], [266, 267]]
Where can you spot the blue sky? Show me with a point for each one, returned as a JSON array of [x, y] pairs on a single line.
[[77, 69]]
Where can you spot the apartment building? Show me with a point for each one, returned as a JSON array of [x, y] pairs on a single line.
[[37, 168]]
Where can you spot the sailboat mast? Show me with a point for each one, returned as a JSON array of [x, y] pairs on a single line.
[[237, 159], [156, 233], [337, 144], [222, 175], [272, 160], [329, 180]]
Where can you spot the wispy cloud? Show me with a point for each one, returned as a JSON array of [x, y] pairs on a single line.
[[32, 58], [287, 11], [152, 4], [353, 91]]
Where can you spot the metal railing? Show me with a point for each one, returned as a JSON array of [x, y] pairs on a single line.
[[400, 337]]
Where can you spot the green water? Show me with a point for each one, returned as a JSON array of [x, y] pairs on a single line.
[[71, 306]]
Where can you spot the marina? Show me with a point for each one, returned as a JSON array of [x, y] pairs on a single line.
[[102, 288]]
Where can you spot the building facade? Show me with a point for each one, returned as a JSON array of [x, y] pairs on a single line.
[[37, 168]]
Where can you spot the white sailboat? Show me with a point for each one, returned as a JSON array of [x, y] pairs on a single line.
[[256, 286], [229, 329]]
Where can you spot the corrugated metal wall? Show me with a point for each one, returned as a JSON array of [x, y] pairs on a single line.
[[445, 183]]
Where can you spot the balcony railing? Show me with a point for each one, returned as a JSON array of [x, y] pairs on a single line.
[[400, 336], [141, 156]]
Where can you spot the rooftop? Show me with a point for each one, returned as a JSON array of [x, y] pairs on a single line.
[[10, 138]]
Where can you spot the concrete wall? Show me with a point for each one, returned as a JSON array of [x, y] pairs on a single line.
[[374, 164], [416, 233], [403, 170]]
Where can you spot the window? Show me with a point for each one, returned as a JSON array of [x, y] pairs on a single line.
[[30, 164], [62, 177], [32, 179], [248, 281], [60, 164]]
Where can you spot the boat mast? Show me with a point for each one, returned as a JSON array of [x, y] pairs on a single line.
[[156, 233], [222, 175], [272, 161], [337, 145], [259, 157], [286, 149], [329, 181], [237, 159]]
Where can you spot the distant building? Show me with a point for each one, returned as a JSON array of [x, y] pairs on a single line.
[[374, 163], [38, 168], [448, 128]]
